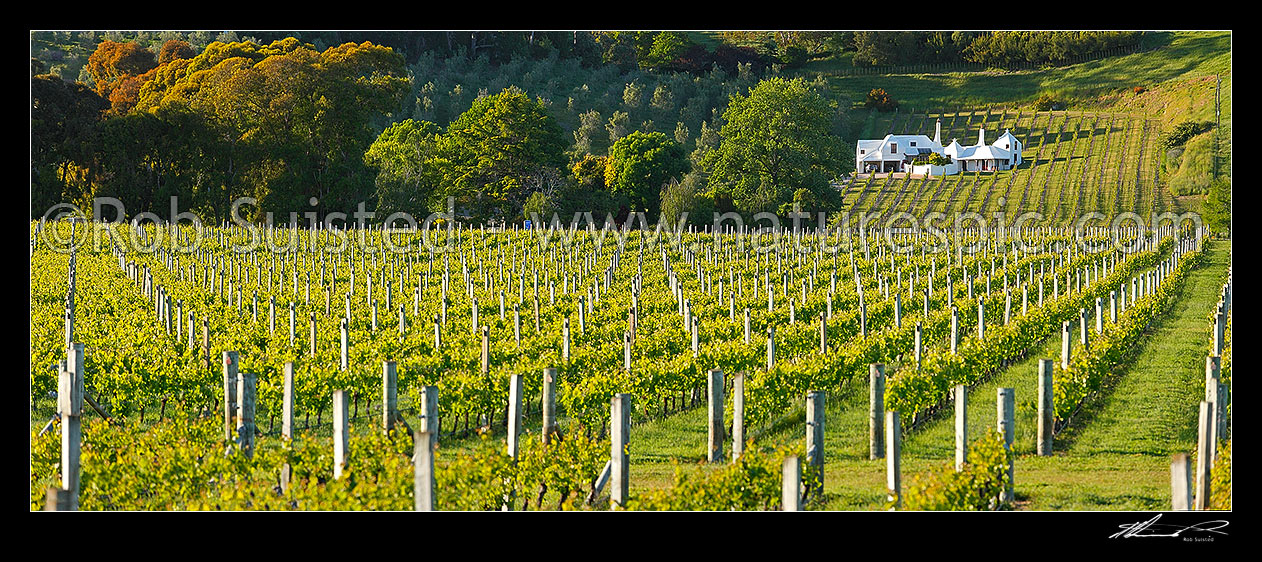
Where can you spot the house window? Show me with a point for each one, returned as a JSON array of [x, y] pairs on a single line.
[[1007, 147], [893, 147], [913, 143], [863, 152]]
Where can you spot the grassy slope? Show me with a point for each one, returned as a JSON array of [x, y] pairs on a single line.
[[1179, 56]]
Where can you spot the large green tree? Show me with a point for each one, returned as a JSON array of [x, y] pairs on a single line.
[[505, 147], [640, 164], [411, 168], [776, 140]]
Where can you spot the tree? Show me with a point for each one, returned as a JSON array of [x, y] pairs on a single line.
[[112, 62], [677, 199], [640, 164], [504, 147], [538, 205], [293, 122], [617, 126], [882, 48], [587, 137], [65, 118], [667, 46], [681, 133], [410, 167], [174, 49], [775, 141], [586, 191], [880, 100]]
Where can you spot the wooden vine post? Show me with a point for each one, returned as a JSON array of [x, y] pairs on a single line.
[[619, 458], [876, 413], [714, 395]]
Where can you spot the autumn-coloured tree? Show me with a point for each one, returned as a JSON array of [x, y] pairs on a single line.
[[174, 49], [880, 100], [112, 62], [290, 122]]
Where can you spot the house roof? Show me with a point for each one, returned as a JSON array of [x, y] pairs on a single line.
[[983, 152], [1012, 140], [920, 140]]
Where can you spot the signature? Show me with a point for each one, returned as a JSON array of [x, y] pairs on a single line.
[[1150, 527]]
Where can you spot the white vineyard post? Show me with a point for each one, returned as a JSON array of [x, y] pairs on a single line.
[[423, 470], [1204, 452], [341, 430], [429, 411], [1214, 395], [313, 333], [230, 365], [714, 394], [619, 434], [549, 404], [287, 404], [389, 395], [438, 333], [1082, 328], [961, 426], [565, 339], [893, 474], [513, 427], [1046, 411], [1220, 326], [246, 396], [1181, 482], [70, 385], [955, 330], [1065, 344], [486, 350], [981, 320], [815, 441], [771, 347], [823, 334], [345, 351], [738, 416], [1006, 406], [791, 484], [919, 344]]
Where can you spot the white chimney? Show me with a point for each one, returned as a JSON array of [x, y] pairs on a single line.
[[937, 132], [981, 138]]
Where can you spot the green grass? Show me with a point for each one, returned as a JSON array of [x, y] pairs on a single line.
[[1178, 56], [1195, 167]]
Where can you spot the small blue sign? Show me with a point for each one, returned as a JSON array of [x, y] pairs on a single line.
[[527, 225]]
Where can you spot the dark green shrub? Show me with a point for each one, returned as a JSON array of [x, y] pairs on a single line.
[[1047, 102], [1184, 132]]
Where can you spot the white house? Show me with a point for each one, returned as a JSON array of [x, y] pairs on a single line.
[[909, 153]]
